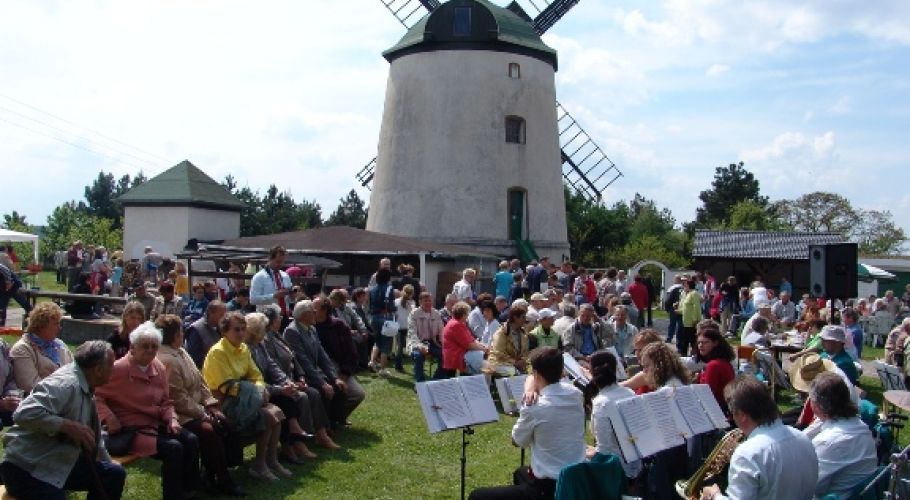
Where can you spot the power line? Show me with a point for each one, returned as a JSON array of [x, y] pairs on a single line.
[[73, 144], [64, 120]]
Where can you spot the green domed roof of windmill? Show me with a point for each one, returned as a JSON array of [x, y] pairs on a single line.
[[474, 25]]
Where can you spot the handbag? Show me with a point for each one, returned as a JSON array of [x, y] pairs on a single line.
[[242, 409], [389, 328]]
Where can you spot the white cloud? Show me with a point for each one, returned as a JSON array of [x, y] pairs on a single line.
[[792, 145], [716, 70]]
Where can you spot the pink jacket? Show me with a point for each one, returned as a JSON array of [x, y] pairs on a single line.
[[137, 399]]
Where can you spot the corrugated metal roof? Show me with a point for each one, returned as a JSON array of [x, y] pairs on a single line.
[[343, 239], [759, 244], [183, 183]]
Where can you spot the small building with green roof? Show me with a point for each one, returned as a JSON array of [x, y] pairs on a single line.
[[177, 205]]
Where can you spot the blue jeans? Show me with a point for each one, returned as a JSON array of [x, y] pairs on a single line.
[[21, 484], [675, 323], [419, 359]]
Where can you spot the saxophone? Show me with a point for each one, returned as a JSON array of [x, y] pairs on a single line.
[[713, 467]]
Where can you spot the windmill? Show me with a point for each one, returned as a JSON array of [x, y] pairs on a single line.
[[464, 71]]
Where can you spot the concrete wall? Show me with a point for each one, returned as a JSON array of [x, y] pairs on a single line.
[[167, 229], [444, 168]]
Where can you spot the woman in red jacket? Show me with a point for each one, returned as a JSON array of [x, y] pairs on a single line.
[[718, 356]]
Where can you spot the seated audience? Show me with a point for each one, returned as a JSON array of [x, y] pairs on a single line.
[[894, 344], [203, 333], [337, 340], [588, 334], [775, 461], [52, 448], [318, 368], [196, 409], [509, 350], [461, 352], [197, 306], [136, 407], [78, 308], [544, 335], [603, 372], [241, 302], [281, 354], [10, 395], [425, 336], [843, 443], [833, 340], [133, 316], [553, 427], [488, 324], [140, 294], [625, 332], [232, 376], [283, 392], [168, 303], [39, 352]]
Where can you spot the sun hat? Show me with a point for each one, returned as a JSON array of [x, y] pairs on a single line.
[[835, 333], [804, 370], [538, 296], [545, 314]]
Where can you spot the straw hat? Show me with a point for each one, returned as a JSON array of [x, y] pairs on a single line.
[[804, 370]]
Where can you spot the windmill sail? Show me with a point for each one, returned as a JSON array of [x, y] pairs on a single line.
[[585, 167], [546, 12], [408, 12], [365, 175]]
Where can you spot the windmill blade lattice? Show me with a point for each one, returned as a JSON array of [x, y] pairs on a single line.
[[365, 175], [585, 167], [546, 13], [408, 12]]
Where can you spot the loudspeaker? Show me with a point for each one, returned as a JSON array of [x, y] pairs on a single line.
[[832, 270]]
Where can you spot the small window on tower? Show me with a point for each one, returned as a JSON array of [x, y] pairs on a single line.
[[514, 70], [515, 129], [462, 22]]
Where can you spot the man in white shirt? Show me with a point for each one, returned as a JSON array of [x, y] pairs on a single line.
[[271, 285], [843, 443], [464, 289], [553, 426], [784, 309], [764, 311], [774, 462]]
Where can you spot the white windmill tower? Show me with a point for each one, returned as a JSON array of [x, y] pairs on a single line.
[[471, 141]]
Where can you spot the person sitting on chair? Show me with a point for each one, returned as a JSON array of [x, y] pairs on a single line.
[[552, 424], [774, 461], [843, 443]]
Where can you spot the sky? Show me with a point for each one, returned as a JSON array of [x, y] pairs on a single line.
[[811, 95]]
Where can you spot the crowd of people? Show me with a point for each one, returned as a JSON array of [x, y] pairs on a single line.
[[194, 373]]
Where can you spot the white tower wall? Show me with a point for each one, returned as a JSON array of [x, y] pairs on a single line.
[[444, 169]]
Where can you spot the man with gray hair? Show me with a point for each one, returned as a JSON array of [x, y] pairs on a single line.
[[464, 289], [588, 334], [56, 440], [203, 333], [784, 309]]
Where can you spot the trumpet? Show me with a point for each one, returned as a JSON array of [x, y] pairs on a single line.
[[714, 466]]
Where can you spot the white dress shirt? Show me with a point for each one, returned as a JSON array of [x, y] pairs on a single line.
[[776, 462], [262, 288], [846, 456], [554, 429], [476, 322], [602, 428], [462, 289]]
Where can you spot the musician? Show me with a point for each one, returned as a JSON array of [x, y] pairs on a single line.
[[844, 444], [603, 371], [774, 462], [553, 426], [712, 349]]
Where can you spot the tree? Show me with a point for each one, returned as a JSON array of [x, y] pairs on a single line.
[[351, 211], [732, 184], [750, 216], [873, 231], [70, 222], [648, 248], [309, 215], [16, 222], [102, 196]]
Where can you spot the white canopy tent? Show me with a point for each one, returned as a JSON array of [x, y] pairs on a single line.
[[16, 236]]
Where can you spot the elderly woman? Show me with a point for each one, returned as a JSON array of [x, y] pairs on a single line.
[[509, 349], [283, 392], [229, 360], [197, 410], [281, 353], [461, 352], [894, 345], [137, 401], [133, 316], [39, 352]]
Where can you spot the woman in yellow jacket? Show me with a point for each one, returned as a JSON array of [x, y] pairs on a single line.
[[509, 350]]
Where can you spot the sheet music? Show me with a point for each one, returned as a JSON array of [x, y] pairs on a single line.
[[434, 421], [637, 420], [658, 403], [706, 398], [453, 407], [626, 446], [574, 369], [620, 370], [479, 401], [511, 390], [692, 411]]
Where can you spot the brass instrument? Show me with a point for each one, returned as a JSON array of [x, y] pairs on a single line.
[[713, 467]]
